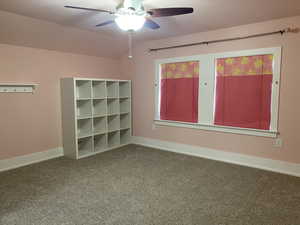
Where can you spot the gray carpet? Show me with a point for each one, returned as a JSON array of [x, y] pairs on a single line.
[[135, 185]]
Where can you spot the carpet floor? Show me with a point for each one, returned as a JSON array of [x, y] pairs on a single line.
[[136, 185]]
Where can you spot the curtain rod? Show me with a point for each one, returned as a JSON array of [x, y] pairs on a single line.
[[288, 30]]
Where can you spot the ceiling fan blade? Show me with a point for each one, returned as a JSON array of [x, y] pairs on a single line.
[[151, 24], [161, 12], [105, 23], [88, 9]]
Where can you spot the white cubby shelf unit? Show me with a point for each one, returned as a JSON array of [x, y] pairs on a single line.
[[96, 115]]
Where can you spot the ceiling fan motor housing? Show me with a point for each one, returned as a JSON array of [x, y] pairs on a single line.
[[135, 5], [130, 16], [131, 7]]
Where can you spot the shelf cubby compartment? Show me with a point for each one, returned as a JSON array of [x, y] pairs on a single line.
[[99, 89], [125, 121], [84, 128], [124, 89], [100, 142], [99, 107], [84, 109], [113, 139], [113, 106], [125, 105], [113, 123], [112, 89], [100, 125], [83, 89], [125, 136], [85, 146]]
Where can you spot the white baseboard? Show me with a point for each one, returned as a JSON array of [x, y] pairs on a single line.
[[229, 157], [12, 163]]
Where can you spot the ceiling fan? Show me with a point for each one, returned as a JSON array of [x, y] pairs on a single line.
[[130, 15]]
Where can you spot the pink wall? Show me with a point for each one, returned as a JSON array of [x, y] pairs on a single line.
[[142, 70], [32, 123]]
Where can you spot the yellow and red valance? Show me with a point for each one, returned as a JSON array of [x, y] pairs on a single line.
[[180, 70], [245, 65]]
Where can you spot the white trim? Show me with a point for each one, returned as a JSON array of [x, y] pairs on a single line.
[[206, 97], [157, 90], [24, 160], [233, 130], [207, 83], [228, 157], [275, 89]]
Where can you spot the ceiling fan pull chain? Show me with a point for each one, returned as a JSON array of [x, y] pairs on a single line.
[[130, 44]]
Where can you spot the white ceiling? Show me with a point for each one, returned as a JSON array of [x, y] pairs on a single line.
[[208, 15]]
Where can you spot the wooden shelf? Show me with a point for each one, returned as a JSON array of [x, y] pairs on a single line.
[[100, 125], [125, 136], [125, 105], [113, 123], [102, 115], [124, 89], [100, 142], [85, 146], [99, 89], [83, 89], [113, 139], [84, 108]]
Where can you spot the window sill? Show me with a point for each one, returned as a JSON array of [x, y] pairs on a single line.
[[233, 130]]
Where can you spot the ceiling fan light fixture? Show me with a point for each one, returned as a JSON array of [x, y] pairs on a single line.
[[130, 15], [130, 22]]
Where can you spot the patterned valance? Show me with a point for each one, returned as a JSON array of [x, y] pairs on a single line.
[[246, 65], [180, 70]]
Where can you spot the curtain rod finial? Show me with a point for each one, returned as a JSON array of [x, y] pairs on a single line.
[[293, 30], [151, 50]]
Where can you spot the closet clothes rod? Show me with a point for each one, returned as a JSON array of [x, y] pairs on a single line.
[[288, 30]]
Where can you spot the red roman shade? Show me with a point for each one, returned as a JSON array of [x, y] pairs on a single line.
[[179, 83], [243, 91]]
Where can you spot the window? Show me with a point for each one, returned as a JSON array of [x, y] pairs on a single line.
[[231, 92], [243, 91], [179, 84]]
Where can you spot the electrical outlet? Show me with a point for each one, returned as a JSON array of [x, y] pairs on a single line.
[[278, 143]]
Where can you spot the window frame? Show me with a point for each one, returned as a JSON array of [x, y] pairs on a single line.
[[207, 88]]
